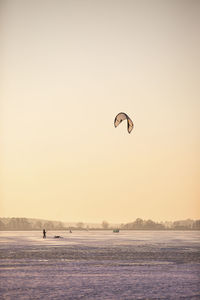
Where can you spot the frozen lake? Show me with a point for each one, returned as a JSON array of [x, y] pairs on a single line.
[[100, 265]]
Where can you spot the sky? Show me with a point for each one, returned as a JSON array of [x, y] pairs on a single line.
[[67, 68]]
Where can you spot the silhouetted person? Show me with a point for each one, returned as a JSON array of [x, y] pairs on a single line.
[[44, 234]]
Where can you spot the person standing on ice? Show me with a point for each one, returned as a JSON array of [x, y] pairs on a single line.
[[44, 234]]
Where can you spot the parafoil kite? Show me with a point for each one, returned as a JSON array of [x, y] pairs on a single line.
[[121, 117]]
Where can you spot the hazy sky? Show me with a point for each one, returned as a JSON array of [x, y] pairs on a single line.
[[67, 68]]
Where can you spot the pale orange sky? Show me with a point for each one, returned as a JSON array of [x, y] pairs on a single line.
[[67, 68]]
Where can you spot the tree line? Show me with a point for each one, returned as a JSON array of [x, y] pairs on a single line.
[[29, 224], [138, 224]]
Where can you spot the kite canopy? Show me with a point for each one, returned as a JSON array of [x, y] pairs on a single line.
[[121, 117]]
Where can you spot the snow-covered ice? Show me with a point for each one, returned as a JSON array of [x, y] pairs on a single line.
[[100, 265]]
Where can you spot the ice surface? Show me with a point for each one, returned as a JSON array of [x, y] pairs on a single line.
[[100, 265]]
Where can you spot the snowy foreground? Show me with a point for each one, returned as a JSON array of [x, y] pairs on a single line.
[[100, 265]]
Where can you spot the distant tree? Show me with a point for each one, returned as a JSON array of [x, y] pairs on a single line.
[[80, 225], [138, 224], [38, 225], [2, 225], [149, 224], [128, 226], [49, 225], [105, 225], [24, 224], [183, 224], [60, 226], [121, 226], [18, 224], [196, 225]]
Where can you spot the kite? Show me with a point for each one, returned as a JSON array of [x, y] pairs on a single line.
[[121, 117]]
